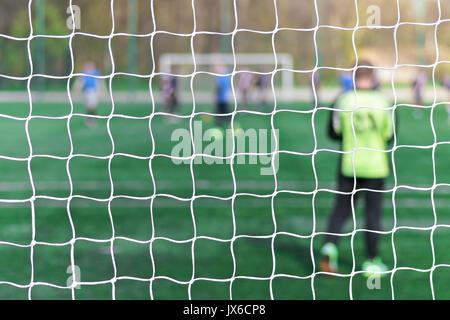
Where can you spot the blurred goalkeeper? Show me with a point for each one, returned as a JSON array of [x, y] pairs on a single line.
[[373, 127], [91, 87]]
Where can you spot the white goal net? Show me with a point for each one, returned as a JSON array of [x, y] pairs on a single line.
[[261, 196]]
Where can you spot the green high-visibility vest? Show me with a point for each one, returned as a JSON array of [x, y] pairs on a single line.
[[364, 115]]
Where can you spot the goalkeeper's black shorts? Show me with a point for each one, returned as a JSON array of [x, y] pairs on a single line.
[[346, 184]]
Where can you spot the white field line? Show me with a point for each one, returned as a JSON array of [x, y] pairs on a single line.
[[298, 94], [293, 185], [164, 202], [284, 201]]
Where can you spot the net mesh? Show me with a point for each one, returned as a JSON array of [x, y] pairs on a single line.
[[196, 153]]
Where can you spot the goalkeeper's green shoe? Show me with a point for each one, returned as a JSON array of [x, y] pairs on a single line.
[[329, 261], [375, 266]]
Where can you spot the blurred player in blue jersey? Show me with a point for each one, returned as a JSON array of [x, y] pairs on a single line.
[[223, 89], [346, 81], [91, 87]]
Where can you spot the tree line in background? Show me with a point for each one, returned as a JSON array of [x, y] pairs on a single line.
[[335, 46]]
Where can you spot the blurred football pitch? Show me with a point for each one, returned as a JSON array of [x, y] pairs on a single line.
[[259, 211]]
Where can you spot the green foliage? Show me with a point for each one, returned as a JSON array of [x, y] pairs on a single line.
[[55, 24], [15, 54]]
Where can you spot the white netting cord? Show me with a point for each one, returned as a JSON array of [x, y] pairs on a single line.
[[198, 153]]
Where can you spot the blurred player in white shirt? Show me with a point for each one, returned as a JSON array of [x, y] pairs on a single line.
[[446, 83], [245, 83], [418, 87], [262, 84], [169, 88]]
